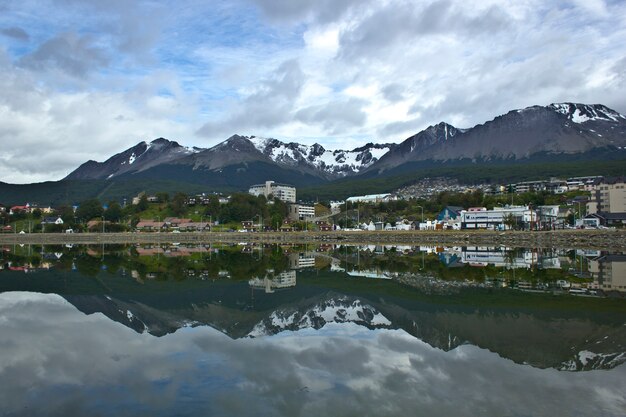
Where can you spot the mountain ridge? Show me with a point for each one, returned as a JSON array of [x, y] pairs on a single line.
[[559, 128]]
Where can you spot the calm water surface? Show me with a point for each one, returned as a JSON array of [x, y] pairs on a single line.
[[311, 331]]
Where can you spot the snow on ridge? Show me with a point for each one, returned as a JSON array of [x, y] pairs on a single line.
[[581, 113], [339, 311], [332, 161], [259, 143], [590, 360]]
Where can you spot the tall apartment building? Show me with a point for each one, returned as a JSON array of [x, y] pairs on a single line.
[[611, 196], [283, 192]]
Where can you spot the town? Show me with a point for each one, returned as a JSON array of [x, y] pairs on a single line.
[[582, 202]]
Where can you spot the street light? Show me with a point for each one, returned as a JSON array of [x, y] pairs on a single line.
[[102, 224]]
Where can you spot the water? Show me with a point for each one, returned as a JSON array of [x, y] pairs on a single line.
[[310, 330]]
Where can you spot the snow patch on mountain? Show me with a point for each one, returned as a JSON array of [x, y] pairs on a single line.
[[581, 113], [333, 162], [338, 310], [587, 360]]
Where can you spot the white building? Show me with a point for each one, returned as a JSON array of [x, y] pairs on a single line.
[[283, 192], [272, 282], [301, 260], [372, 198], [301, 212], [496, 218]]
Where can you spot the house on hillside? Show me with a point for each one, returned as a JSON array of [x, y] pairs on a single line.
[[19, 209]]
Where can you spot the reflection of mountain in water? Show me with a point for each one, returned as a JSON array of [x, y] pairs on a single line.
[[341, 309], [564, 343]]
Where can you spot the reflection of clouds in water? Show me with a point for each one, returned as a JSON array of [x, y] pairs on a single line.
[[57, 361]]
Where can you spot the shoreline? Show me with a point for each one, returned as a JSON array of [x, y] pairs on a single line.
[[605, 239]]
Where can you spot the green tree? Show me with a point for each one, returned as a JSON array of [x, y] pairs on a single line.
[[163, 197], [89, 209], [143, 204], [178, 205], [114, 212]]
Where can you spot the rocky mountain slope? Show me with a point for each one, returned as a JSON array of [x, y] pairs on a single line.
[[557, 129], [308, 159], [138, 158]]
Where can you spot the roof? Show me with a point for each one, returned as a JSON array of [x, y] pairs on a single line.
[[150, 223], [613, 216], [176, 220], [613, 180], [368, 197], [454, 208]]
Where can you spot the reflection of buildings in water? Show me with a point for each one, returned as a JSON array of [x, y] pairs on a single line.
[[272, 282], [301, 260], [501, 257], [172, 251], [609, 272]]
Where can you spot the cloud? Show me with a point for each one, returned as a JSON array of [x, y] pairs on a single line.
[[405, 22], [268, 105], [321, 11], [73, 54], [335, 117], [49, 346], [328, 71], [15, 33]]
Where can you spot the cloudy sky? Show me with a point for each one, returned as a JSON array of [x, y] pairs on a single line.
[[62, 362], [84, 79]]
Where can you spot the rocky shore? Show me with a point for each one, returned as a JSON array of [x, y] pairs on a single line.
[[605, 239]]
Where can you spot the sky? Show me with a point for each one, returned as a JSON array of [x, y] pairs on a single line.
[[85, 79]]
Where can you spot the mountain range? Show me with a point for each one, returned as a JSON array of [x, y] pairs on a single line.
[[564, 344], [562, 134]]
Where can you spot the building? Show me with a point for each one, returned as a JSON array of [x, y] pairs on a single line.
[[449, 213], [272, 282], [301, 212], [372, 198], [52, 220], [301, 260], [611, 196], [609, 273], [283, 192], [499, 218], [148, 225]]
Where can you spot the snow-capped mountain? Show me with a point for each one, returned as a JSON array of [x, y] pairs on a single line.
[[337, 163], [311, 159], [136, 159], [335, 310], [557, 129]]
